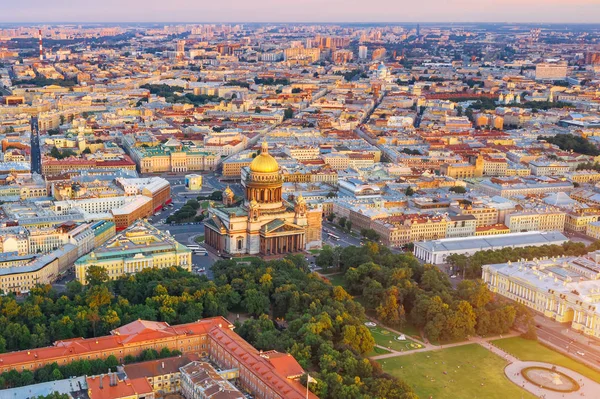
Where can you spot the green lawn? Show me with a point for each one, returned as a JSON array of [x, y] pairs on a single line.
[[314, 251], [467, 367], [411, 330], [387, 339], [199, 239], [377, 351], [532, 350], [204, 204], [337, 279]]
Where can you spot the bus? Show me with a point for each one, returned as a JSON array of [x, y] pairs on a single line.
[[193, 247], [333, 236], [201, 251]]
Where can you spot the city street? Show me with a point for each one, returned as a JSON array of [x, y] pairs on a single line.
[[569, 341]]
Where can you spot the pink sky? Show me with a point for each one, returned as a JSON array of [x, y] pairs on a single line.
[[301, 10]]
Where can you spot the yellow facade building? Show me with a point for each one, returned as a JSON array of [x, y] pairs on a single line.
[[140, 247], [193, 182], [564, 289]]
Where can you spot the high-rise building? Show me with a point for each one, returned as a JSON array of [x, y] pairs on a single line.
[[362, 52], [180, 48]]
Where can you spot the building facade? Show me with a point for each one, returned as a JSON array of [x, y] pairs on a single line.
[[140, 247], [565, 289], [262, 223]]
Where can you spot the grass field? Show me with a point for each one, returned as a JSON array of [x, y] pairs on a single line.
[[204, 204], [199, 239], [336, 279], [531, 350], [377, 351], [387, 338], [411, 330], [467, 367], [314, 251]]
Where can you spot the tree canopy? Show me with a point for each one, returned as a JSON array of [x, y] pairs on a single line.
[[568, 142]]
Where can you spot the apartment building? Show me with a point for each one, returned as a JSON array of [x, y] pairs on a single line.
[[545, 168], [461, 226], [536, 220], [484, 215]]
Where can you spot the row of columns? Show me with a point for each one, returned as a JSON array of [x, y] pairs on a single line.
[[212, 239], [521, 291], [422, 254], [282, 245], [585, 319], [264, 195]]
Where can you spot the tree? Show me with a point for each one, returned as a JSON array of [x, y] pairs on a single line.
[[325, 258], [372, 293], [55, 153], [409, 191], [569, 142], [458, 189], [255, 302], [86, 151], [288, 113], [369, 234], [96, 275], [390, 311], [98, 296], [331, 217], [257, 110], [348, 225], [474, 292], [359, 338]]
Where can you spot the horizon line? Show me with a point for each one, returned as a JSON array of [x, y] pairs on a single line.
[[302, 22]]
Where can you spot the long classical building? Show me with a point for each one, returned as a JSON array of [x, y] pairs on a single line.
[[140, 247], [262, 223], [266, 375], [437, 251], [564, 289]]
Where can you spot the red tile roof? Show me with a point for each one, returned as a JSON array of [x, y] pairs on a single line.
[[137, 331], [273, 374], [120, 389]]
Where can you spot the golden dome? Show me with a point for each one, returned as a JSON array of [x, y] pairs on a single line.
[[264, 162]]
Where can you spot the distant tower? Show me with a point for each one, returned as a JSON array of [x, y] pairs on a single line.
[[180, 48], [418, 32], [41, 48], [362, 52]]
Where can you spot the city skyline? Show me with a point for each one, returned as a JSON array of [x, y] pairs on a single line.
[[310, 11]]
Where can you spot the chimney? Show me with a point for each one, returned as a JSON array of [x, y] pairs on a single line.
[[163, 364], [101, 378]]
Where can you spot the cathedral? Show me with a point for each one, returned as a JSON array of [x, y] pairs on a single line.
[[262, 223]]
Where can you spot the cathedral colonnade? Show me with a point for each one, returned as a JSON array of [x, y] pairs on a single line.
[[281, 244]]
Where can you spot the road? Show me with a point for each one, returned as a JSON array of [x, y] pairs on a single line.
[[345, 240], [569, 341]]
